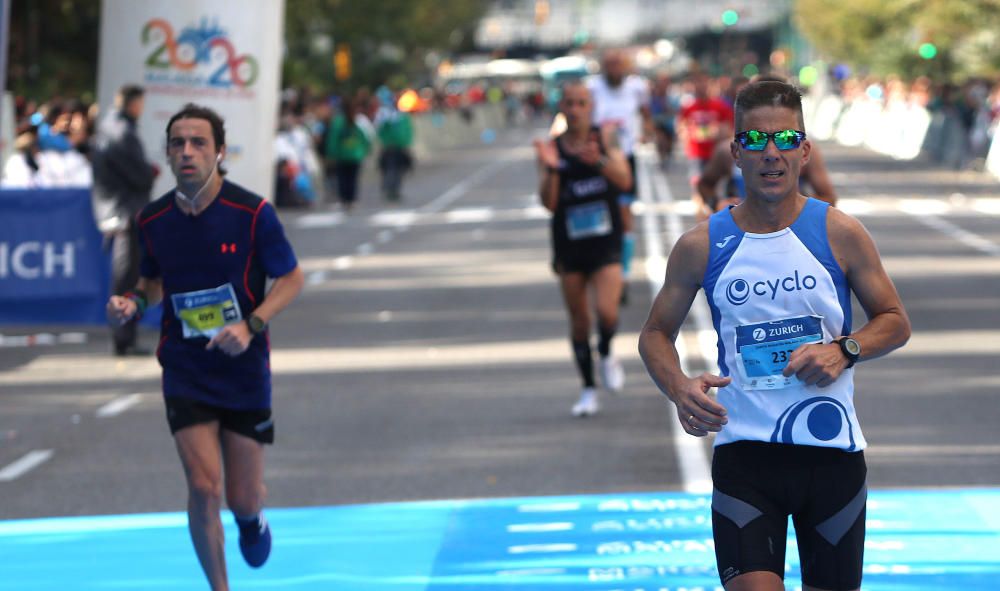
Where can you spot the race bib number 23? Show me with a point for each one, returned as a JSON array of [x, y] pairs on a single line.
[[763, 350]]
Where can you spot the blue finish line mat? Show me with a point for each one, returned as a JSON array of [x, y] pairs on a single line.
[[620, 542]]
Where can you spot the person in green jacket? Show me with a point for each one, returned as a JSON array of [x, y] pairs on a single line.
[[395, 134], [347, 145]]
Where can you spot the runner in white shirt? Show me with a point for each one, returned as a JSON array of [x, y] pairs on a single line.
[[621, 100], [778, 271]]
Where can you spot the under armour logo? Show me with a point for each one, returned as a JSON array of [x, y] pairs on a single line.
[[230, 248], [725, 241]]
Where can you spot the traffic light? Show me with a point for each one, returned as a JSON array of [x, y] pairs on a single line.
[[730, 17], [928, 51], [342, 62]]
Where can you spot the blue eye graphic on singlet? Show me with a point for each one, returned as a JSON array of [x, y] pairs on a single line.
[[824, 419]]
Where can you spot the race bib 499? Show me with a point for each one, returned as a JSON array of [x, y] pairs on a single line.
[[204, 313]]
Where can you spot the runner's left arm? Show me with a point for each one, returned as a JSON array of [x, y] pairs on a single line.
[[234, 339], [888, 326], [278, 261], [284, 290], [615, 168]]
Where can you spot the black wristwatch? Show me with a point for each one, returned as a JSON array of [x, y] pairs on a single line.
[[851, 349], [256, 324]]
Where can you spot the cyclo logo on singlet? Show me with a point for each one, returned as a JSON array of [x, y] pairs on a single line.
[[738, 291]]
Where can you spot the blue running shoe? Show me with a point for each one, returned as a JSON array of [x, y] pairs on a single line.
[[255, 541]]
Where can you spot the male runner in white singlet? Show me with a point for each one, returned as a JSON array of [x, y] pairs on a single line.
[[778, 271]]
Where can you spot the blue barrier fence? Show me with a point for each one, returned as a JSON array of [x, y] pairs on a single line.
[[54, 267]]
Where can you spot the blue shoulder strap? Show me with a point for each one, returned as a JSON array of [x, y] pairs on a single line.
[[723, 238], [810, 228]]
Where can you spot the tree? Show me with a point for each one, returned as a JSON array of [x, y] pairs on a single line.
[[884, 36], [387, 39], [53, 48], [54, 43]]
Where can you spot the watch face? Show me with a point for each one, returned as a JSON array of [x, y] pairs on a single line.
[[256, 324], [852, 346]]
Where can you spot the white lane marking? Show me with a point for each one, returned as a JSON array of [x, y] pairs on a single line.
[[400, 219], [75, 370], [549, 507], [118, 406], [468, 215], [320, 220], [923, 207], [25, 464], [692, 458], [987, 206], [339, 264], [702, 315], [531, 572], [883, 204], [962, 235], [458, 191], [541, 548], [43, 339], [535, 212], [521, 528]]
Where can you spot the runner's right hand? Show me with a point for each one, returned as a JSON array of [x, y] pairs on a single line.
[[548, 154], [120, 310], [698, 412]]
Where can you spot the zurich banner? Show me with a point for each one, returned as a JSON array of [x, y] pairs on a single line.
[[53, 268]]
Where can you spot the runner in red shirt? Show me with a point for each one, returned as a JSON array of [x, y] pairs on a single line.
[[704, 121]]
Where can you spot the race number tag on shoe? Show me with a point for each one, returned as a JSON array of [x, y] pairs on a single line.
[[204, 313], [763, 350], [588, 220]]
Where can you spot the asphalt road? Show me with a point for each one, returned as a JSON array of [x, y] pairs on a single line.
[[428, 357]]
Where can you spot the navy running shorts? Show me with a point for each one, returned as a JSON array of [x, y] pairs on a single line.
[[759, 485], [185, 412]]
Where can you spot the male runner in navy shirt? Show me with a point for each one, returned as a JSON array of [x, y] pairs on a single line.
[[208, 248]]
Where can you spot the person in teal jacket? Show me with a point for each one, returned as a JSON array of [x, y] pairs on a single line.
[[395, 134], [347, 145]]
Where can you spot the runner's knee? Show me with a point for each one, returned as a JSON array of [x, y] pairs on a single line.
[[247, 500], [205, 491], [579, 330]]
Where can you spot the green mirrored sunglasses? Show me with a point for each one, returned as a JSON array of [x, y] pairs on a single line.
[[756, 140]]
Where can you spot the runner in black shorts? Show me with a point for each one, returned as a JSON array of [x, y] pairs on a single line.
[[758, 485], [208, 248], [788, 440], [584, 171]]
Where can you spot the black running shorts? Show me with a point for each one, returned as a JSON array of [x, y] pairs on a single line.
[[586, 261], [759, 485], [185, 412]]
